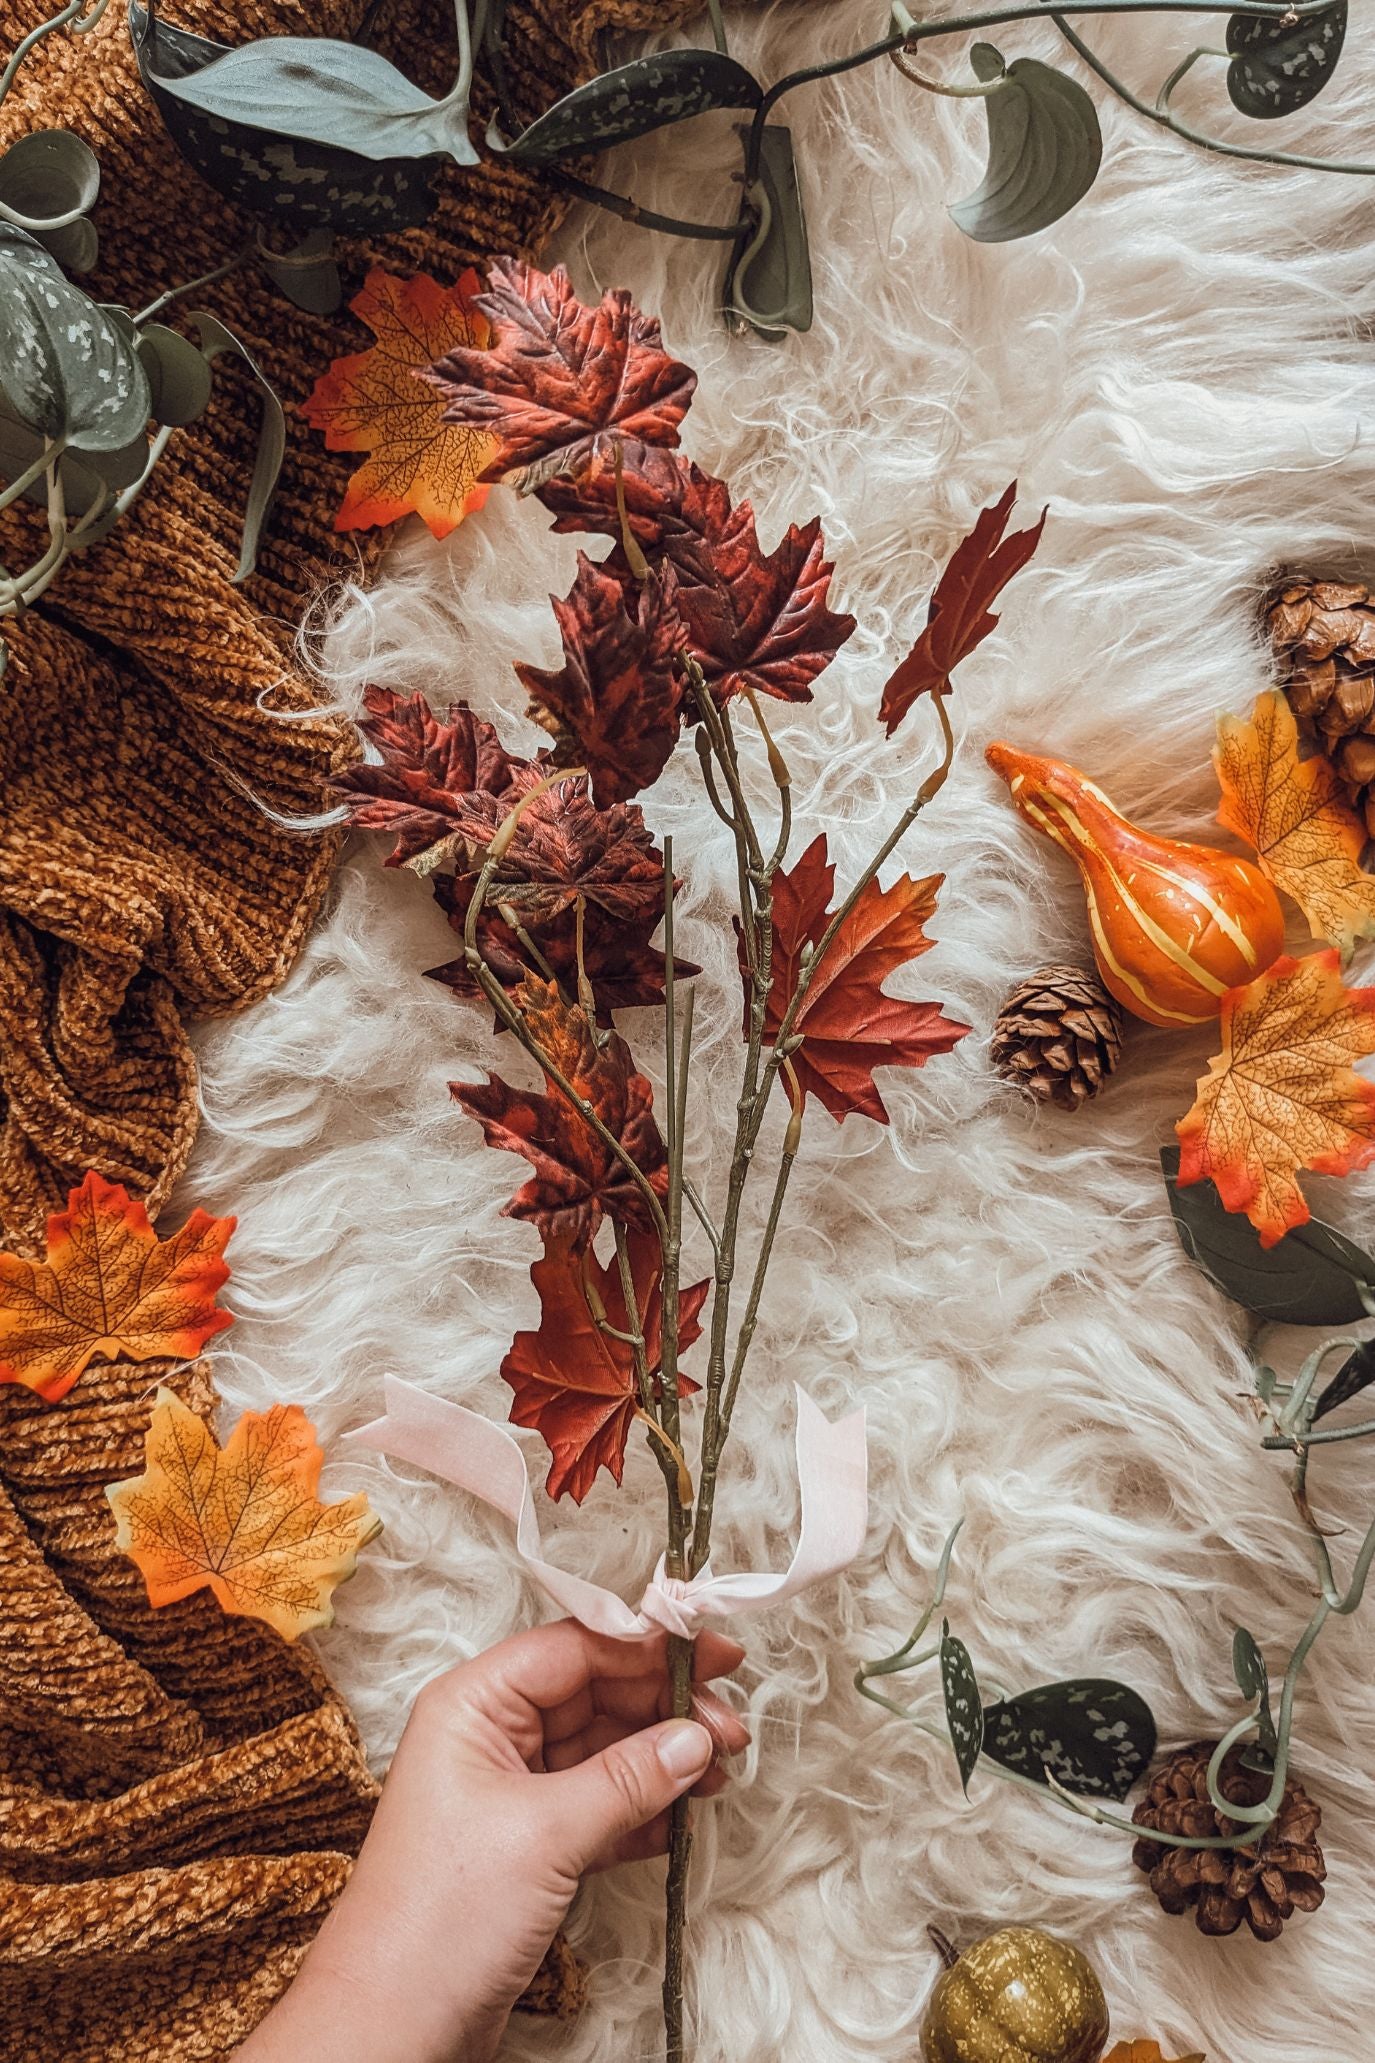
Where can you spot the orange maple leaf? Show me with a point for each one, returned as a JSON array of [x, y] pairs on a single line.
[[376, 402], [1294, 811], [109, 1290], [242, 1520], [1147, 2052], [1282, 1094]]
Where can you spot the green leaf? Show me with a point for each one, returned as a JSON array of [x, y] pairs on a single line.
[[1253, 1680], [1279, 66], [769, 285], [75, 246], [179, 375], [963, 1707], [17, 247], [1044, 149], [308, 275], [1356, 1373], [652, 92], [47, 178], [1309, 1278], [304, 185], [65, 366], [215, 338], [322, 91], [1093, 1735], [85, 477]]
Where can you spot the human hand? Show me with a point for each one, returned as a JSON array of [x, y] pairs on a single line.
[[549, 1756]]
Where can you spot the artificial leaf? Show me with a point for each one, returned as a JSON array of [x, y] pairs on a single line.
[[1313, 1277], [66, 367], [1044, 149], [624, 970], [308, 274], [45, 178], [963, 1707], [1095, 1737], [574, 1382], [577, 1177], [561, 381], [1282, 1094], [1147, 2052], [243, 1521], [215, 340], [1356, 1373], [1279, 64], [848, 1026], [428, 770], [751, 618], [614, 707], [109, 1289], [768, 284], [959, 615], [650, 93], [375, 401], [1253, 1681], [1294, 811], [180, 380], [565, 848]]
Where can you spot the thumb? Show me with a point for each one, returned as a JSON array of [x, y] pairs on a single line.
[[630, 1783]]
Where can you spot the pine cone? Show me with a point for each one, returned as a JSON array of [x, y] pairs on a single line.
[[1323, 632], [1264, 1883], [1058, 1036]]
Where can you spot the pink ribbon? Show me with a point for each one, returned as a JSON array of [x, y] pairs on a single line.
[[482, 1458]]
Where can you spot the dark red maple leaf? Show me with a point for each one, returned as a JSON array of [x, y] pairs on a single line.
[[752, 617], [625, 970], [958, 615], [577, 1178], [428, 770], [559, 379], [615, 705], [563, 847], [573, 1383], [848, 1026]]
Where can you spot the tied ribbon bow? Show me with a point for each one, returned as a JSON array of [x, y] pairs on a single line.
[[481, 1457]]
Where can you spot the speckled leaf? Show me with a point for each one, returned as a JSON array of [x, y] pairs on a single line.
[[18, 247], [1356, 1373], [1094, 1736], [1309, 1278], [651, 93], [304, 185], [1278, 66], [769, 285], [179, 375], [963, 1709], [47, 178], [1253, 1680], [66, 368], [20, 446], [215, 338], [1044, 149]]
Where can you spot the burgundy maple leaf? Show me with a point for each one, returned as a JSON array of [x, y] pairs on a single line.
[[848, 1026], [959, 615], [577, 1177], [752, 617], [626, 972], [564, 847], [429, 770], [615, 705], [575, 1383], [559, 379]]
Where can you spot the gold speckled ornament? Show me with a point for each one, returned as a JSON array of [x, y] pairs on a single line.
[[1020, 1996]]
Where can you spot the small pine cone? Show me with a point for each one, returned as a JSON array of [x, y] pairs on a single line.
[[1323, 632], [1264, 1883], [1058, 1036]]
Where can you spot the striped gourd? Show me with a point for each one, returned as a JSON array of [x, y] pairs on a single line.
[[1174, 926]]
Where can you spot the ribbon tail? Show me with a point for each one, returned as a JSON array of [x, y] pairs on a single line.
[[481, 1457]]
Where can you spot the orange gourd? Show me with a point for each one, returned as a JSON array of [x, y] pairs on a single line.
[[1174, 926]]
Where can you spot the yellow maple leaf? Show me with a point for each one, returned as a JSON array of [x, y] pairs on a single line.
[[1147, 2052], [243, 1521], [1294, 811], [109, 1290], [1282, 1095], [376, 402]]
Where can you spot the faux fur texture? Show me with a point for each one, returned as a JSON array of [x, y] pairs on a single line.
[[1181, 370]]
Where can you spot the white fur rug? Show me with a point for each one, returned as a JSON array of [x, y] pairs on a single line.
[[1182, 370]]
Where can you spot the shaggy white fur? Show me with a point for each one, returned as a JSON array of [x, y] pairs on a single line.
[[1180, 370]]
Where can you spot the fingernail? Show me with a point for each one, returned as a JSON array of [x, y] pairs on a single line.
[[684, 1748]]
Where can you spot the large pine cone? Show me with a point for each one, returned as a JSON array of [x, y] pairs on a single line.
[[1323, 632], [1058, 1036], [1264, 1883]]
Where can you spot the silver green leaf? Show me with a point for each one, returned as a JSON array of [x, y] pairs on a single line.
[[75, 245], [1311, 1277], [651, 93], [1278, 66], [308, 274], [179, 375], [18, 247], [963, 1707], [1356, 1374], [1093, 1735], [215, 339], [48, 179], [1044, 149], [769, 285], [1253, 1680], [86, 477], [66, 367], [328, 92]]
